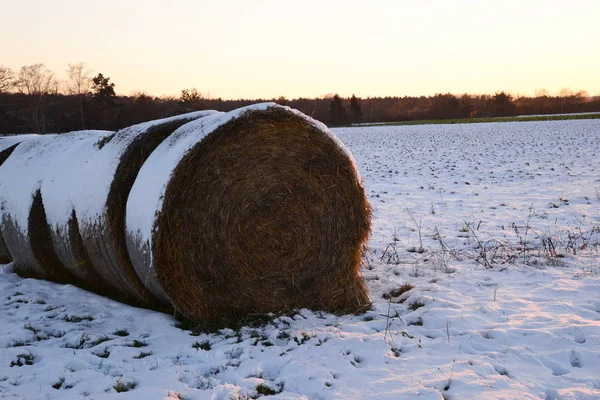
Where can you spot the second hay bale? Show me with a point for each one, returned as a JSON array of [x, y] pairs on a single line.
[[106, 180]]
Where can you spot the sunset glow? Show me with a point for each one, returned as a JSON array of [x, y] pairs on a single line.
[[266, 49]]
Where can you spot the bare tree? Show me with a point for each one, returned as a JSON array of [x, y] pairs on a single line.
[[36, 81], [7, 78], [79, 84]]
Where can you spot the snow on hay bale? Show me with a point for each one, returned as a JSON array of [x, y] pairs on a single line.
[[98, 213], [64, 183], [257, 210], [7, 146], [22, 212]]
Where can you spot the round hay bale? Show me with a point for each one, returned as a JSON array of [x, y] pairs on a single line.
[[60, 190], [104, 184], [23, 215], [7, 146], [253, 211]]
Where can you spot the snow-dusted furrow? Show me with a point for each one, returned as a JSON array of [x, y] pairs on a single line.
[[501, 302]]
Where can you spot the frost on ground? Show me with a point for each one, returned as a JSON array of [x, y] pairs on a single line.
[[483, 267]]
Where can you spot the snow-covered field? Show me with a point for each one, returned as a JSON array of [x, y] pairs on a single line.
[[497, 227]]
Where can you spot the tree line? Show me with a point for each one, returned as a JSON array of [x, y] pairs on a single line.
[[33, 99]]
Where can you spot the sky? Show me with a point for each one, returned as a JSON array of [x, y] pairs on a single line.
[[266, 49]]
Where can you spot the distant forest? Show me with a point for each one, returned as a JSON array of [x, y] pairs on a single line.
[[32, 100]]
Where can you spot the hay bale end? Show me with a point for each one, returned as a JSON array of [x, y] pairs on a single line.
[[253, 211]]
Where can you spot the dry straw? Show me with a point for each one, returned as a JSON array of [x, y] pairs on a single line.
[[265, 213]]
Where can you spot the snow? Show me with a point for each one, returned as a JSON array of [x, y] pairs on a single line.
[[62, 179], [35, 158], [6, 142], [528, 327], [93, 181]]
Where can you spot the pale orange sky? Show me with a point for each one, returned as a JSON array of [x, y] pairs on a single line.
[[252, 49]]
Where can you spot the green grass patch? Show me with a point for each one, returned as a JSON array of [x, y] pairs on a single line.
[[102, 354], [137, 344], [143, 354], [121, 385], [59, 384], [121, 332], [23, 359], [213, 326], [549, 117], [75, 319], [202, 345]]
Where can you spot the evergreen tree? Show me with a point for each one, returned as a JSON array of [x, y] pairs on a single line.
[[102, 87], [355, 110], [192, 99], [282, 101], [190, 95], [444, 106], [337, 112], [503, 104], [105, 103]]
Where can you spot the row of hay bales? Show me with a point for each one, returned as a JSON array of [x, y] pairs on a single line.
[[215, 215]]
